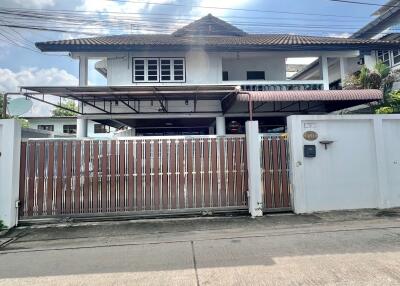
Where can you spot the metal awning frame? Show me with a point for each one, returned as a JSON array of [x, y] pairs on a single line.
[[98, 97]]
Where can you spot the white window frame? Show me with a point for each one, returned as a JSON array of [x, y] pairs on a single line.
[[395, 64], [159, 70], [146, 69], [391, 58], [172, 70]]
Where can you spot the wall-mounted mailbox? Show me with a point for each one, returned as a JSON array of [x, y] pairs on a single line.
[[310, 151]]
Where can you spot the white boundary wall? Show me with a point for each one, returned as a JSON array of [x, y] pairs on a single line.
[[360, 169], [10, 147]]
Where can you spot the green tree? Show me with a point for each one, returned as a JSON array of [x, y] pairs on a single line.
[[380, 77], [391, 104], [70, 104]]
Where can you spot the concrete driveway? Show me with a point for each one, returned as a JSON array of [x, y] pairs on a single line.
[[340, 248]]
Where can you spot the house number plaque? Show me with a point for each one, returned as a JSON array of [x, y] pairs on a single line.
[[310, 135]]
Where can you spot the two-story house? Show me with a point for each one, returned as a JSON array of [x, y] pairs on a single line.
[[205, 78]]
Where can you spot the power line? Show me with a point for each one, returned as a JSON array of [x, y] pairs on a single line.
[[232, 9], [365, 3]]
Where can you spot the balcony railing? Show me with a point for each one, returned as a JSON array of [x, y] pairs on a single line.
[[278, 85]]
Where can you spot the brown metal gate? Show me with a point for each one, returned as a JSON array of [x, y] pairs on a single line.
[[275, 172], [75, 177], [140, 175]]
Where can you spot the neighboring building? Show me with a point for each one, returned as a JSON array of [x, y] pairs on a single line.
[[68, 125], [384, 27], [201, 79]]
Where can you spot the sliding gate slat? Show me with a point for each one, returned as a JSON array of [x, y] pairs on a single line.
[[156, 175], [147, 162], [121, 204], [77, 189], [104, 176], [40, 185], [139, 175], [59, 180], [172, 162], [50, 178], [181, 148], [22, 178], [68, 189], [131, 178], [95, 194], [86, 182]]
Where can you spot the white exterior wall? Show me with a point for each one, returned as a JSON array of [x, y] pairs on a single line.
[[206, 67], [10, 148], [360, 169], [201, 67], [60, 122], [274, 67]]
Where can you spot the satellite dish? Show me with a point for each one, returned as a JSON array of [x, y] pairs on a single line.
[[19, 106]]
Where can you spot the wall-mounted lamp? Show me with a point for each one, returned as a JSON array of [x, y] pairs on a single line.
[[326, 143]]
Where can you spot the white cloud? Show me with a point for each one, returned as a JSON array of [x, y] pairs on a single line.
[[11, 81], [130, 8], [340, 35], [219, 4]]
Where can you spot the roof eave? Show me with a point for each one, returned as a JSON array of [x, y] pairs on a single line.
[[113, 48]]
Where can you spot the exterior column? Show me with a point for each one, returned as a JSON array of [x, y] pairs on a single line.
[[10, 149], [370, 61], [324, 71], [83, 71], [220, 125], [253, 149], [343, 73], [81, 127]]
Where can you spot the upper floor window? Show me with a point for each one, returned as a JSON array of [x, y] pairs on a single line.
[[384, 56], [158, 69], [255, 75], [46, 127], [172, 70], [389, 58], [396, 57], [145, 70]]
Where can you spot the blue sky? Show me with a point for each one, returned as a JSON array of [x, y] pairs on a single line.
[[19, 66]]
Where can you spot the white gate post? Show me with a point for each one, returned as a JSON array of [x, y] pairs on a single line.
[[10, 148], [253, 149]]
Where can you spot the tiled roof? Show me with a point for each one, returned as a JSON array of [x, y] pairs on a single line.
[[209, 26], [211, 33], [312, 95], [125, 42]]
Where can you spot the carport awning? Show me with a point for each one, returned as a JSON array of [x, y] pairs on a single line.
[[311, 95]]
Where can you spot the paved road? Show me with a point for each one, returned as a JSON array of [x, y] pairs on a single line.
[[357, 248]]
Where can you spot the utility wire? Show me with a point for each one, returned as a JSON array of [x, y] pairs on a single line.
[[365, 3], [231, 9]]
